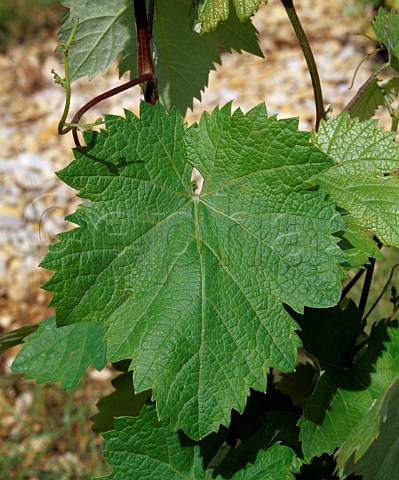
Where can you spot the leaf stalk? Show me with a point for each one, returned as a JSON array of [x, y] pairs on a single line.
[[308, 54]]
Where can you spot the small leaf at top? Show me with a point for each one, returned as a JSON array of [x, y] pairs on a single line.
[[191, 287], [362, 181], [208, 13], [52, 354], [183, 58]]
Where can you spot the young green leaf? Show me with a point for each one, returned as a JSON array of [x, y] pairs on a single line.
[[362, 180], [191, 287], [120, 403], [52, 354], [208, 13], [372, 448], [345, 391], [184, 59]]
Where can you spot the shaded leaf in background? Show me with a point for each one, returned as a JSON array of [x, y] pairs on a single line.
[[345, 391], [204, 276], [375, 95], [386, 29], [299, 384], [372, 448], [208, 13], [361, 181], [52, 354], [122, 402], [275, 463], [184, 58], [15, 337]]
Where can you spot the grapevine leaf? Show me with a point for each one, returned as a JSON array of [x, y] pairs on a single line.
[[119, 403], [103, 31], [361, 181], [52, 354], [386, 29], [208, 13], [375, 95], [178, 277], [15, 337], [346, 390], [184, 59], [161, 454], [372, 449]]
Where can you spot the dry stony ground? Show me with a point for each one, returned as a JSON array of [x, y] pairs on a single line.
[[33, 202]]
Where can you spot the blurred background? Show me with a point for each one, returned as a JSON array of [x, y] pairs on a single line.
[[44, 431]]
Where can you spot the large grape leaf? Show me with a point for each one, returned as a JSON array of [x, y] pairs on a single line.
[[103, 30], [143, 447], [346, 390], [191, 287], [208, 13], [372, 448], [184, 59], [52, 354], [362, 180]]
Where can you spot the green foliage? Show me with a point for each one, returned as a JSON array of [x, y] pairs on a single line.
[[208, 13], [161, 454], [350, 382], [200, 358], [182, 73], [376, 94], [362, 181], [201, 294], [52, 354]]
